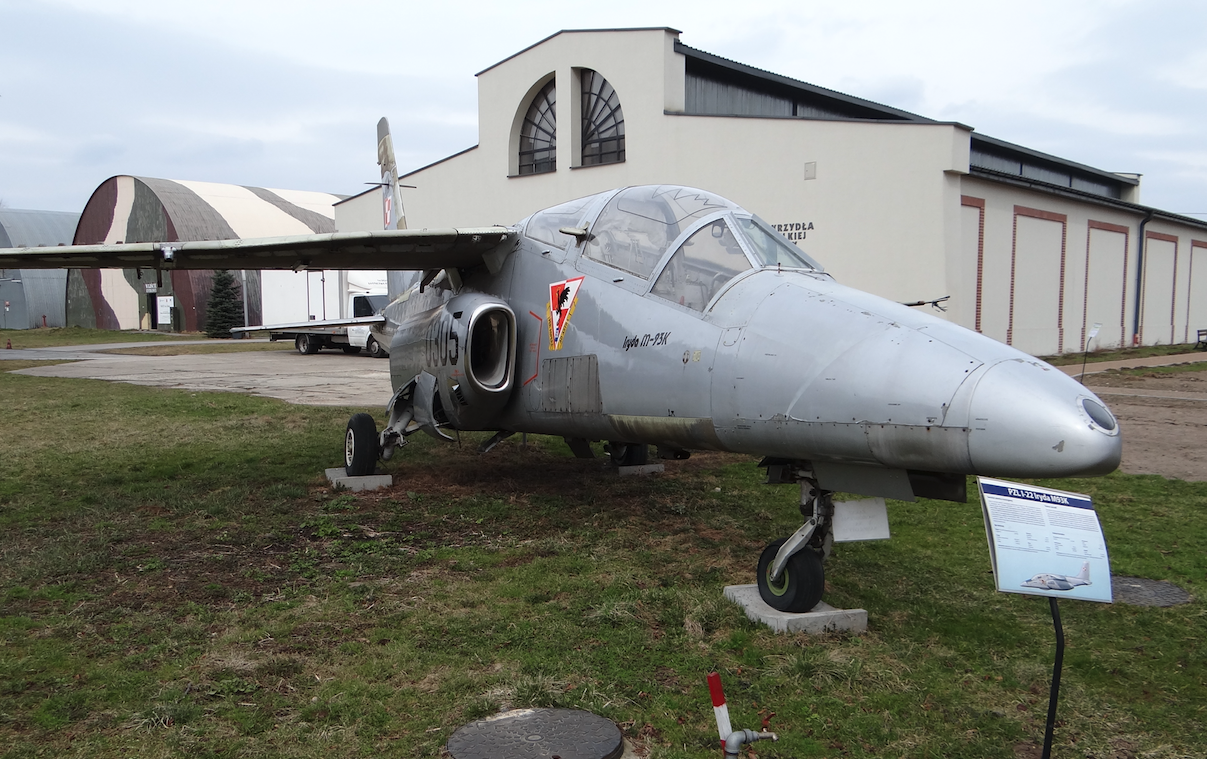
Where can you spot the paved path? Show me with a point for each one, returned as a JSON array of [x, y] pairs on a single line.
[[327, 378], [1134, 363], [82, 352]]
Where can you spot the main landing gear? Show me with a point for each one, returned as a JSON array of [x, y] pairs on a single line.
[[791, 577], [364, 445], [360, 446]]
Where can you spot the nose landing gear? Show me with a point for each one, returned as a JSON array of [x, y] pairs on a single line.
[[791, 577]]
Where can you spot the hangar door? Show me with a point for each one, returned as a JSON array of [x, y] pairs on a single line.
[[1196, 303], [1106, 282], [972, 248], [1159, 289], [1037, 282]]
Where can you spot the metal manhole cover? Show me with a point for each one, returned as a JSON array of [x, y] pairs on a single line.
[[543, 733], [1138, 591]]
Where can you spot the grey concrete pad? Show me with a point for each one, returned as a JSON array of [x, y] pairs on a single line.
[[537, 734], [631, 471], [74, 353], [338, 476], [1140, 591], [822, 619], [323, 379], [90, 352]]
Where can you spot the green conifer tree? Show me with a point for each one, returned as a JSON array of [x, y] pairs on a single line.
[[225, 309]]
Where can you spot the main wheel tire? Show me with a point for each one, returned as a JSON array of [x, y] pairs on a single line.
[[351, 350], [360, 446], [306, 344], [375, 349], [800, 587], [629, 454]]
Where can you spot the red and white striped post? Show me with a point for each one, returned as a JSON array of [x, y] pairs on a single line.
[[719, 709]]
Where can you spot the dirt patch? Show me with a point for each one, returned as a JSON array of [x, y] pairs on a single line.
[[1163, 417], [518, 476]]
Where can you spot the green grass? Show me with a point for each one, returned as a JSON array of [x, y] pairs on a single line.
[[176, 579], [61, 336]]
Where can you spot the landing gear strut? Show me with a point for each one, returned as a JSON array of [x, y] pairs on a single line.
[[790, 576], [628, 454]]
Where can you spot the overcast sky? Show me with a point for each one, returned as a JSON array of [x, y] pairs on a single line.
[[287, 93]]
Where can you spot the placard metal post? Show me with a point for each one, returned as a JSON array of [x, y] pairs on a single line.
[[1054, 696]]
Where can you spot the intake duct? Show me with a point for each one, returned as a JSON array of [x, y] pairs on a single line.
[[476, 385]]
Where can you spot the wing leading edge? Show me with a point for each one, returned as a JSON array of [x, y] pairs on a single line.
[[410, 249]]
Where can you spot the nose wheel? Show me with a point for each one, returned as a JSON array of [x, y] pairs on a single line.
[[799, 586], [791, 577]]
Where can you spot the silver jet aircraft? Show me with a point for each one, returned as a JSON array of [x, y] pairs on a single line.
[[1049, 581], [669, 317]]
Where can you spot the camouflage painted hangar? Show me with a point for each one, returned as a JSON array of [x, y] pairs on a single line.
[[128, 209]]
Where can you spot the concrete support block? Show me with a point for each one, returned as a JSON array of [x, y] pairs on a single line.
[[631, 471], [822, 619], [338, 476]]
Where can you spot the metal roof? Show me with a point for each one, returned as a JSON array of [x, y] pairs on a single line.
[[145, 209], [856, 108], [1071, 192], [22, 229], [820, 102]]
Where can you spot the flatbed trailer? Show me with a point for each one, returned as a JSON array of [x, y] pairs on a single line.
[[351, 335]]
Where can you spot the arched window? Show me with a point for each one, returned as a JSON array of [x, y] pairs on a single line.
[[538, 133], [603, 121]]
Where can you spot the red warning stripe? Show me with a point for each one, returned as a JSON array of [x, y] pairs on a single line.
[[714, 689]]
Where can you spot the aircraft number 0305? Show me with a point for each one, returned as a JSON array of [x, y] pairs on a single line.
[[443, 343]]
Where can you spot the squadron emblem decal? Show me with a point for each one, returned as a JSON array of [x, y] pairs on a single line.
[[562, 298]]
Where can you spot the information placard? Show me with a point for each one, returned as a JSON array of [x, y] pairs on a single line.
[[1044, 542], [164, 305]]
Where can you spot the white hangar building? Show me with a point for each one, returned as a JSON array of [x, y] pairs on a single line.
[[1032, 248]]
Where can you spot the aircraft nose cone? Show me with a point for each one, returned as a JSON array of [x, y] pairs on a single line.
[[1028, 419]]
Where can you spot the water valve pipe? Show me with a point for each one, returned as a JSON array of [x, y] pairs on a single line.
[[731, 739], [738, 738]]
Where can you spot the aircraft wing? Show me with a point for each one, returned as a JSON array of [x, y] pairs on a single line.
[[413, 249], [332, 324]]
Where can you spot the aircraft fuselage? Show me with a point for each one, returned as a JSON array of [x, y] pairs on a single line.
[[770, 360]]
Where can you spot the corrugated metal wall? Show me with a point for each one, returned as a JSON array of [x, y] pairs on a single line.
[[33, 298], [706, 96], [1061, 176]]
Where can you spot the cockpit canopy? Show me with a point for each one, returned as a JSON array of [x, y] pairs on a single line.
[[713, 239]]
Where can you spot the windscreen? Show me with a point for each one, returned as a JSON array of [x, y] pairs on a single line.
[[640, 223], [771, 248], [701, 266]]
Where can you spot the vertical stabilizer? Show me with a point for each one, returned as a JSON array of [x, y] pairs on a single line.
[[393, 215], [1085, 572]]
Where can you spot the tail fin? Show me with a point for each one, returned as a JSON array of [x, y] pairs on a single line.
[[1085, 572], [391, 197]]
